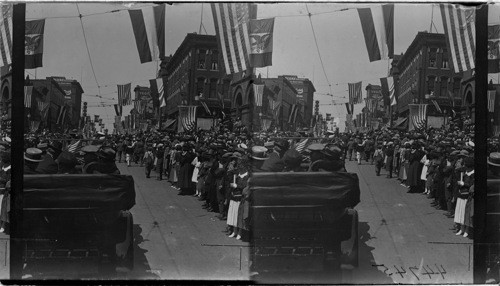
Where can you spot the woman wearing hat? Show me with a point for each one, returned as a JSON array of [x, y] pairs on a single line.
[[463, 213]]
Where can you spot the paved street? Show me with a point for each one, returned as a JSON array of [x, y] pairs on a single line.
[[177, 239]]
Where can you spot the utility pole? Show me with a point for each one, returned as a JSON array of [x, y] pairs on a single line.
[[17, 136]]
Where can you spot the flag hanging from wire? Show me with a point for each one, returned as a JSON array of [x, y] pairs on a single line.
[[187, 117], [491, 100], [494, 49], [418, 116], [6, 34], [460, 33], [124, 94], [436, 105], [387, 84], [28, 91], [259, 93], [355, 92], [33, 43], [231, 22], [377, 24], [148, 25], [261, 42]]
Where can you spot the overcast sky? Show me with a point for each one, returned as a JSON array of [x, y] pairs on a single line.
[[116, 61]]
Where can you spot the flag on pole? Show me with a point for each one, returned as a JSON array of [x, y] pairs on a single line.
[[43, 108], [187, 117], [205, 106], [124, 94], [28, 91], [301, 146], [387, 84], [75, 147], [157, 92], [259, 93], [355, 93], [378, 29], [61, 114], [6, 34], [491, 100], [231, 22], [148, 25], [293, 113], [494, 49], [418, 116], [261, 42], [33, 43], [436, 105], [460, 33]]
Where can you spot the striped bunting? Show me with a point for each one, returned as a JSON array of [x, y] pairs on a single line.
[[124, 94], [436, 105], [231, 22], [148, 25], [75, 147], [28, 91], [355, 93], [378, 30], [6, 34], [292, 117], [259, 93], [418, 116], [460, 33], [187, 117]]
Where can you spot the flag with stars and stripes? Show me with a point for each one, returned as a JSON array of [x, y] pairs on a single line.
[[355, 96], [418, 116], [6, 34], [28, 91], [75, 147], [187, 117], [124, 94], [301, 146]]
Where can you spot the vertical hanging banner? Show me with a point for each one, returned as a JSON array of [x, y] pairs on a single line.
[[387, 84], [292, 117], [261, 42], [231, 22], [460, 33], [6, 34], [494, 49], [61, 114], [124, 94], [156, 88], [33, 44], [355, 95], [418, 116], [148, 25], [259, 93], [377, 24], [28, 91], [187, 117], [491, 100], [118, 109]]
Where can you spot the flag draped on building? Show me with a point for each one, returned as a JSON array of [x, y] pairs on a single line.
[[378, 29], [187, 117], [6, 34], [355, 93], [387, 85], [494, 48], [148, 25], [418, 116], [231, 22], [460, 33], [28, 92], [259, 93], [124, 94], [491, 100], [33, 41], [61, 114], [157, 92], [261, 42], [292, 117], [436, 105]]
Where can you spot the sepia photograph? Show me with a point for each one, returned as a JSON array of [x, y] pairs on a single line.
[[286, 142]]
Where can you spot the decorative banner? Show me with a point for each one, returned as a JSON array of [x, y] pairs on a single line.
[[491, 100], [118, 109], [378, 29], [150, 34], [460, 32], [494, 49], [33, 43], [34, 125], [124, 94], [61, 115], [187, 117], [28, 91], [156, 91], [261, 42], [6, 34], [355, 93], [259, 93], [387, 84], [231, 28], [293, 113], [276, 109], [436, 105], [43, 108], [418, 116], [205, 106]]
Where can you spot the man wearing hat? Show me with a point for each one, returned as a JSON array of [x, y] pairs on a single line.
[[48, 165], [67, 163], [274, 162], [105, 163], [258, 157], [389, 153], [32, 157]]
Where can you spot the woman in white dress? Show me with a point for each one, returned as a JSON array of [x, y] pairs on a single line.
[[197, 164], [466, 187]]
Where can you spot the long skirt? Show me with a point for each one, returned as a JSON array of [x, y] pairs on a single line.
[[402, 171], [460, 211], [469, 213], [232, 213], [173, 174], [241, 215]]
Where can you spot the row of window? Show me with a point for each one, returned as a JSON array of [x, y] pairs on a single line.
[[441, 89], [438, 57], [208, 59]]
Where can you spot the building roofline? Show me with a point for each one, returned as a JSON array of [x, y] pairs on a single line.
[[419, 39], [183, 47]]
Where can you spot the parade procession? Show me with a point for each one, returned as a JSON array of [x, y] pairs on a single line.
[[261, 142]]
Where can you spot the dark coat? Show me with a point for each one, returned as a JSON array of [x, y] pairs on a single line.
[[47, 166], [273, 164], [185, 170], [415, 168]]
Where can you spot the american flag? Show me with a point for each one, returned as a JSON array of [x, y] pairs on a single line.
[[28, 91], [124, 94], [491, 100], [259, 93], [301, 146], [436, 105], [43, 108], [293, 113], [6, 34], [418, 116], [355, 92], [187, 117], [75, 147], [231, 26], [460, 33]]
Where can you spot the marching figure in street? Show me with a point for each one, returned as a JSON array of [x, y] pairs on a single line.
[[148, 161], [378, 158]]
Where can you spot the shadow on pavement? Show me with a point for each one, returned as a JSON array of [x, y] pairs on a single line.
[[142, 269]]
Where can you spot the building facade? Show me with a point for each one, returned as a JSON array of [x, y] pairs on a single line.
[[195, 74], [305, 96], [280, 90], [374, 106], [423, 74]]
